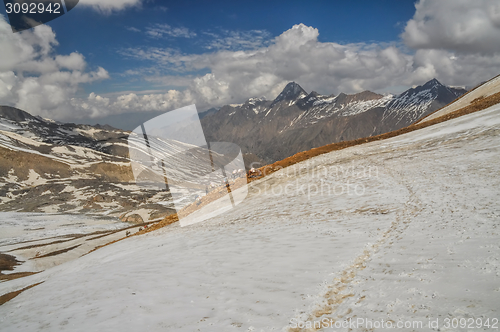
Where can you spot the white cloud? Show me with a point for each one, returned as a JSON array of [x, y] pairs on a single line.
[[297, 55], [36, 80], [98, 106], [167, 58], [457, 25], [294, 55], [453, 69], [109, 6], [165, 30], [74, 61], [171, 80], [237, 40], [133, 29], [238, 68], [162, 8]]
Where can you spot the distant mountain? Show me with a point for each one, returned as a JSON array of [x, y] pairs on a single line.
[[296, 121], [292, 91], [98, 137], [208, 112], [47, 166], [415, 103]]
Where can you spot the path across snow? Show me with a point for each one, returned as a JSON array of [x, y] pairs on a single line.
[[413, 236]]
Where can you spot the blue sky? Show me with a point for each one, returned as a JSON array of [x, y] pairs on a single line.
[[107, 58], [102, 39]]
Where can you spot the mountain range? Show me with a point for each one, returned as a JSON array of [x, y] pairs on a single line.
[[48, 166], [271, 130]]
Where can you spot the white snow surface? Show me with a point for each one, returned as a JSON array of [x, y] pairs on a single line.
[[419, 241], [19, 226]]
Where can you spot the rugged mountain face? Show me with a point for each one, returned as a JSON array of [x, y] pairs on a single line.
[[46, 166], [416, 103], [292, 91], [104, 139], [296, 121], [208, 112]]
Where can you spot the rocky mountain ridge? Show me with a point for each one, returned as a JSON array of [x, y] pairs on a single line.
[[296, 121], [47, 166]]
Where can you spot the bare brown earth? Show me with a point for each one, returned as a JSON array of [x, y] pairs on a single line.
[[12, 276], [7, 262], [9, 296], [21, 162], [112, 173]]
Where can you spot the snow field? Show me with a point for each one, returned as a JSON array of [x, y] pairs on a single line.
[[420, 242]]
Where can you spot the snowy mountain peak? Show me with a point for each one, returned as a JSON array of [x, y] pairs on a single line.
[[256, 126], [432, 83], [309, 100], [415, 103], [429, 89], [254, 100], [292, 91]]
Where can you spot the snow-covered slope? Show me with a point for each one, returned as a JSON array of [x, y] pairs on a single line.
[[400, 230]]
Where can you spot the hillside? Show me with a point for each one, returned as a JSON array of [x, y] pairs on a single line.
[[46, 166], [414, 239]]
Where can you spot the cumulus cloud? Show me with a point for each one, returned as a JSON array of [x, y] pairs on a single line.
[[297, 55], [33, 78], [98, 106], [457, 25], [236, 68], [453, 69], [74, 61], [294, 55], [109, 6]]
